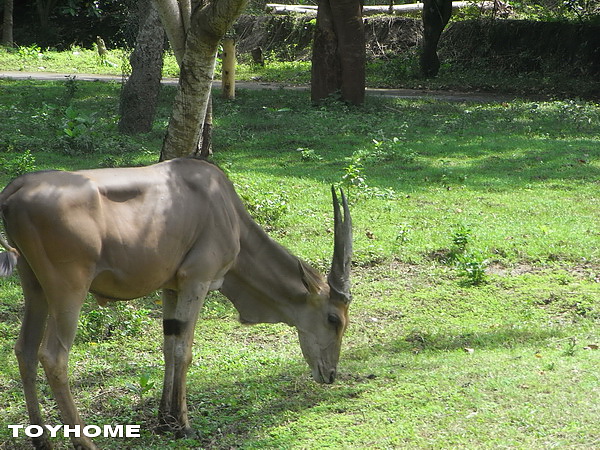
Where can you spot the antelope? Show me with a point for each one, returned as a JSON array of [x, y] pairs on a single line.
[[178, 226]]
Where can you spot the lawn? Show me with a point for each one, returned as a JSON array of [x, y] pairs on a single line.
[[476, 275]]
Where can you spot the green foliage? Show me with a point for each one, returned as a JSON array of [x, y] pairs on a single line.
[[14, 165], [143, 386], [309, 155], [119, 320], [266, 207], [29, 52]]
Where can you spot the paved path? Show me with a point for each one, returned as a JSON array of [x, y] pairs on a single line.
[[453, 96]]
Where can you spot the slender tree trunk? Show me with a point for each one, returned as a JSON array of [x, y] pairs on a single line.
[[140, 93], [338, 62], [7, 24], [436, 14], [208, 25], [205, 146], [228, 71]]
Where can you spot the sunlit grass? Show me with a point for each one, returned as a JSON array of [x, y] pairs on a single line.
[[430, 360]]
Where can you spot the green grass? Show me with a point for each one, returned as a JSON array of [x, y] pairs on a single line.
[[400, 71], [431, 359]]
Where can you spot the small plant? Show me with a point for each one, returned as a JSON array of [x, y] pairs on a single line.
[[308, 154], [353, 176], [460, 238], [28, 52], [143, 387], [76, 124], [114, 321], [571, 347], [472, 266], [404, 232], [77, 131], [18, 165], [266, 208], [71, 88]]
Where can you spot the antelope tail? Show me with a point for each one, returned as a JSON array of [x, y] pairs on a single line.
[[8, 259]]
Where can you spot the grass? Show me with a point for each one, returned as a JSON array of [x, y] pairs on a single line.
[[400, 71], [432, 359]]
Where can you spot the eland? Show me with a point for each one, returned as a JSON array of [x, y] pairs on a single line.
[[178, 226]]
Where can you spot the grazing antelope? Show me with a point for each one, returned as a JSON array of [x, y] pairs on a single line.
[[178, 226]]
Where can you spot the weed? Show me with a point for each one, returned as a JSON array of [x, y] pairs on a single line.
[[570, 347], [18, 165], [115, 321], [143, 386], [471, 266], [29, 52], [77, 131], [403, 235], [308, 154], [267, 208], [353, 176], [71, 88], [460, 238]]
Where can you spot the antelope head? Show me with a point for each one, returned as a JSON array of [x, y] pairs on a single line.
[[325, 317]]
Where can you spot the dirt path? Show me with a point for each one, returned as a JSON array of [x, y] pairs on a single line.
[[451, 96]]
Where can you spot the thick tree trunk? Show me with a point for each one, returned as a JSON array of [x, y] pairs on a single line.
[[338, 63], [326, 71], [208, 25], [7, 24], [436, 14], [140, 93]]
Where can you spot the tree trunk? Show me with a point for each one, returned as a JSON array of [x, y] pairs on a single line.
[[338, 63], [228, 72], [208, 25], [7, 24], [436, 14], [140, 93], [205, 147]]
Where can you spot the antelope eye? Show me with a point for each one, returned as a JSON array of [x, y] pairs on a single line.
[[334, 319]]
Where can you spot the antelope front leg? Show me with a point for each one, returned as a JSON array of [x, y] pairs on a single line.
[[180, 313]]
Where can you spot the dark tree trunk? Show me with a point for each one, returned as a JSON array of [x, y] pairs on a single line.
[[338, 61], [140, 93], [7, 24], [436, 14]]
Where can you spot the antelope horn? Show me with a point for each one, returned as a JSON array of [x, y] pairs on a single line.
[[339, 276]]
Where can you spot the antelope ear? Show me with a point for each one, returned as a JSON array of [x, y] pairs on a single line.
[[311, 280]]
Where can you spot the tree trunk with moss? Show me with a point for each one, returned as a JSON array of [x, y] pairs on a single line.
[[139, 97], [196, 37]]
